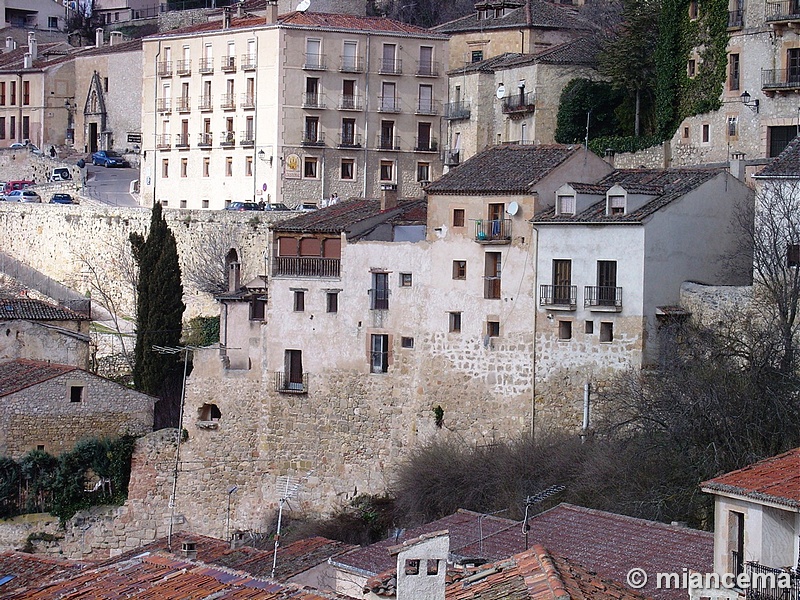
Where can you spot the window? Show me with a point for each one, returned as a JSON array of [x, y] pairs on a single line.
[[332, 302], [209, 412], [412, 566], [258, 306], [779, 138], [228, 166], [406, 342], [2, 128], [458, 217], [248, 166], [706, 133], [686, 132], [387, 170], [311, 130], [310, 167], [565, 330], [477, 55], [691, 68], [405, 279], [433, 566], [493, 328], [314, 54], [562, 282], [459, 269], [694, 9], [425, 100], [606, 283], [105, 84], [349, 133], [293, 380], [792, 64], [76, 393], [388, 99], [616, 205], [26, 127], [565, 205], [423, 172], [379, 344], [588, 327], [386, 140], [13, 94], [40, 447], [26, 93], [732, 122], [183, 203], [347, 170], [426, 60], [350, 57], [299, 300], [793, 255], [388, 65], [492, 275], [606, 331], [379, 294], [205, 203], [52, 22], [733, 71], [206, 166], [184, 167], [2, 93], [454, 322], [736, 541], [165, 168]]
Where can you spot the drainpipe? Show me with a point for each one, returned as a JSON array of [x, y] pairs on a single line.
[[587, 388], [366, 113], [256, 159], [155, 124], [535, 247]]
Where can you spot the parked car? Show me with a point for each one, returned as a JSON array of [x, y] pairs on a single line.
[[10, 186], [108, 158], [60, 174], [23, 196], [306, 206], [243, 206], [276, 206], [26, 146], [61, 198]]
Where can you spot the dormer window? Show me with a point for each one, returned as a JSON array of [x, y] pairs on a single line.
[[616, 205], [565, 205]]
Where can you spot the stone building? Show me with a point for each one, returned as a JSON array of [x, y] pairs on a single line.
[[35, 14], [50, 407], [290, 109]]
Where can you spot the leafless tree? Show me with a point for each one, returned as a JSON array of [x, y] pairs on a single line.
[[206, 267]]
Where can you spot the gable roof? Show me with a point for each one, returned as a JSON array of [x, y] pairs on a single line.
[[582, 51], [666, 185], [18, 374], [47, 55], [775, 479], [786, 164], [543, 15], [503, 169], [36, 310], [343, 216], [25, 570]]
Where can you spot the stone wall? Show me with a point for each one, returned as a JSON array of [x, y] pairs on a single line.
[[655, 157]]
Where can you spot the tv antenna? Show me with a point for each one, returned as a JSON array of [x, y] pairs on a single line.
[[538, 499], [290, 485]]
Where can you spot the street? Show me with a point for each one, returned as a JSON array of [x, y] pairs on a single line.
[[110, 186]]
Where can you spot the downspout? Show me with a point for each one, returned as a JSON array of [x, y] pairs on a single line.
[[366, 121], [256, 159], [535, 246], [155, 124], [587, 387], [19, 100]]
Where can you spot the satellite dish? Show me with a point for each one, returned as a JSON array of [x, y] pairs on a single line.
[[303, 6], [513, 208], [501, 91]]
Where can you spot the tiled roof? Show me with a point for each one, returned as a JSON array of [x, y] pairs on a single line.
[[503, 169], [786, 164], [543, 15], [118, 48], [345, 214], [26, 570], [775, 479], [36, 310], [665, 184], [582, 51], [16, 375], [612, 544], [47, 55], [165, 577]]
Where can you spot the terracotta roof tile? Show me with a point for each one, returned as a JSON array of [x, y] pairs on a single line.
[[544, 15], [345, 214], [16, 375], [31, 569], [36, 310], [775, 479], [786, 164]]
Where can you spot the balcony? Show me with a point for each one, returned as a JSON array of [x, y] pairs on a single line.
[[164, 105], [227, 102], [182, 140], [349, 102], [313, 100], [164, 68], [785, 11], [491, 287], [206, 66], [766, 583], [163, 141], [248, 101], [204, 103], [183, 67], [227, 138], [427, 107], [204, 140], [228, 64], [391, 66], [351, 64], [456, 110], [497, 231], [602, 298], [291, 383], [314, 62], [247, 138], [305, 266], [183, 104], [388, 104], [519, 103], [427, 69], [248, 62], [735, 19], [452, 158], [387, 142], [379, 299], [426, 144], [349, 140], [558, 297], [313, 138], [780, 79]]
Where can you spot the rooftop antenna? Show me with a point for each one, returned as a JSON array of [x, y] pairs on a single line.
[[303, 6], [538, 499], [290, 485], [586, 142]]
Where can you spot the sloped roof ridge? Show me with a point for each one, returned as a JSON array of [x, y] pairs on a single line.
[[634, 520]]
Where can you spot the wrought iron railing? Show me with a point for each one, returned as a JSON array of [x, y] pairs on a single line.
[[427, 107], [602, 296], [285, 383], [315, 62], [206, 65], [519, 103], [313, 100], [183, 67], [492, 230], [391, 66], [769, 583], [379, 299], [164, 68], [780, 78], [313, 138], [787, 10], [228, 64], [205, 103], [351, 64], [388, 104], [388, 142], [735, 18], [305, 266], [491, 287], [248, 101], [427, 68], [426, 144], [227, 101], [163, 105], [248, 62], [183, 104], [350, 102], [349, 140], [457, 110], [558, 295], [182, 140]]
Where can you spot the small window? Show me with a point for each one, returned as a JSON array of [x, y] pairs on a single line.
[[691, 68], [52, 22], [228, 166], [412, 566], [493, 328], [694, 9], [588, 327], [105, 84], [183, 203], [565, 205], [477, 55], [455, 322], [258, 309], [206, 166], [458, 217], [706, 133], [299, 301], [248, 166], [686, 133], [205, 203], [332, 302], [348, 169], [734, 71], [209, 412], [76, 393], [40, 447], [793, 255], [310, 167], [732, 122], [616, 205], [459, 269], [184, 167], [387, 170], [433, 567], [606, 331], [423, 172], [565, 330], [165, 168], [405, 279], [406, 342]]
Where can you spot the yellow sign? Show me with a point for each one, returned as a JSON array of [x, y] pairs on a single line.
[[292, 170]]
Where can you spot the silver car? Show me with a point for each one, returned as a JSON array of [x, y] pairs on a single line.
[[23, 196]]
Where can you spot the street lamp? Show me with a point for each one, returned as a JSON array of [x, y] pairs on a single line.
[[751, 104]]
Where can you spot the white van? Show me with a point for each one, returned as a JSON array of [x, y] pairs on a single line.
[[61, 174]]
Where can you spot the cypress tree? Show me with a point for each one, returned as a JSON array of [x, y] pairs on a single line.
[[159, 306]]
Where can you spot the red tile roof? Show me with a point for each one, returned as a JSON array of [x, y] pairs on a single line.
[[36, 310], [346, 214], [16, 375], [32, 569], [775, 479]]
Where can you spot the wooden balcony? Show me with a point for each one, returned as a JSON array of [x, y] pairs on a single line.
[[305, 266]]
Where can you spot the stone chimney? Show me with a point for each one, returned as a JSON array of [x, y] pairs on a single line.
[[189, 550], [738, 165], [388, 197], [239, 10], [226, 18], [27, 61], [234, 277], [115, 38], [272, 11], [10, 43], [98, 37], [609, 156], [33, 47], [421, 566]]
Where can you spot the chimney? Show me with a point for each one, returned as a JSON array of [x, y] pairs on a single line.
[[226, 19], [272, 11], [609, 156], [115, 38], [98, 37], [239, 10], [27, 61], [33, 47], [234, 277], [389, 196], [738, 165], [10, 44], [189, 550]]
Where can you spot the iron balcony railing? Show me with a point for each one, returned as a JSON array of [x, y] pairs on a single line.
[[164, 68], [768, 583], [313, 100], [248, 101], [182, 140], [735, 19], [787, 10], [163, 140], [452, 158], [313, 138], [426, 144], [600, 296], [427, 107], [183, 67], [350, 102], [206, 65], [497, 230], [391, 66], [227, 101], [349, 140], [287, 384], [183, 104], [248, 62], [558, 295], [379, 299], [305, 266], [205, 103], [247, 138], [351, 64], [519, 103], [780, 78], [427, 68], [387, 142], [736, 562], [491, 287], [227, 138], [205, 139], [228, 64], [163, 105], [314, 62], [457, 110], [388, 104]]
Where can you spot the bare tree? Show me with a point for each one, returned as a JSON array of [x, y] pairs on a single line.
[[206, 268], [83, 20]]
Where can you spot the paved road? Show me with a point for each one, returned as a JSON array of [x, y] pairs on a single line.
[[110, 186]]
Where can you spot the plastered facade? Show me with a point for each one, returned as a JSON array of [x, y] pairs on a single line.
[[59, 342]]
